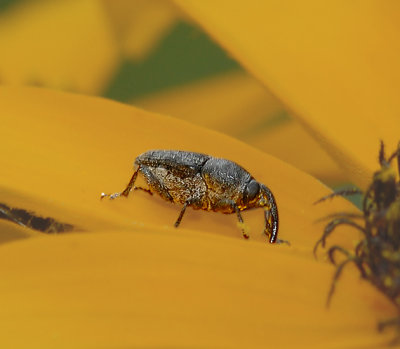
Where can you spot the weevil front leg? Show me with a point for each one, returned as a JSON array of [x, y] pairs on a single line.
[[223, 204], [239, 216], [128, 188]]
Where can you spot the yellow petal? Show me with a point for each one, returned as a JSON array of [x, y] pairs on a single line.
[[65, 150], [11, 231], [334, 64], [133, 289], [231, 103], [142, 282], [140, 24], [46, 43]]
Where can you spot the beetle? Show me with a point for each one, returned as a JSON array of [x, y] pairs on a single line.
[[203, 182]]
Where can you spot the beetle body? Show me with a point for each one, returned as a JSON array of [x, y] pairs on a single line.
[[204, 182]]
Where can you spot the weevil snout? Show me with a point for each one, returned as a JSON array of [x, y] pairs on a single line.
[[271, 225], [258, 195], [267, 201]]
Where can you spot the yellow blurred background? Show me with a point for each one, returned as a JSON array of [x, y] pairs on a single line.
[[313, 83], [150, 54]]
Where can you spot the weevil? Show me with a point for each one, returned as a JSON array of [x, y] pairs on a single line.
[[377, 254], [203, 182]]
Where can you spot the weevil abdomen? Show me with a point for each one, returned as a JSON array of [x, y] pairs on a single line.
[[175, 175], [181, 163]]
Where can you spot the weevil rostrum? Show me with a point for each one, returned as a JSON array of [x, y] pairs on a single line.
[[205, 183]]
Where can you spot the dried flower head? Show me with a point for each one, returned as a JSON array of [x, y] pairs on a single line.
[[377, 255]]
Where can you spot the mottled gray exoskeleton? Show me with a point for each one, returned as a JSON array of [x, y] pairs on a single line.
[[204, 183]]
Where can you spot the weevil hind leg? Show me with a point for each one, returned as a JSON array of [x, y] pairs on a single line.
[[183, 210], [178, 221], [127, 190], [148, 191]]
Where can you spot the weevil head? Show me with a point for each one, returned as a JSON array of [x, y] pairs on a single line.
[[258, 195]]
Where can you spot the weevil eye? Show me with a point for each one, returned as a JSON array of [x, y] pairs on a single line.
[[251, 191]]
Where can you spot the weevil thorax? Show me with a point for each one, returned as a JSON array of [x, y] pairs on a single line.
[[226, 182]]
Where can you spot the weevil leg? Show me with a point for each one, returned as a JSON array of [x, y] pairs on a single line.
[[126, 191], [222, 203], [129, 187], [186, 204], [178, 221], [144, 189], [226, 202], [240, 218]]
